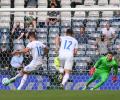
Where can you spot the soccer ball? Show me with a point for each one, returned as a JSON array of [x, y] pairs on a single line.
[[5, 81]]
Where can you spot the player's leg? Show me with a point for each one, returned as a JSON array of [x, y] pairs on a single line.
[[23, 80], [27, 69], [13, 78], [66, 76], [104, 77], [61, 68], [67, 70], [17, 76], [92, 79]]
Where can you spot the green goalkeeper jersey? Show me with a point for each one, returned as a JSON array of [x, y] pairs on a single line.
[[104, 64]]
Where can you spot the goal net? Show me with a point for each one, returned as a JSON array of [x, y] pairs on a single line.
[[97, 30]]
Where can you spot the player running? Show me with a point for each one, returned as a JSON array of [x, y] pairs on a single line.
[[36, 49], [67, 46], [101, 70]]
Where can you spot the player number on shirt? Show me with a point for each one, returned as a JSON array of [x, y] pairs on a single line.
[[67, 44], [39, 50]]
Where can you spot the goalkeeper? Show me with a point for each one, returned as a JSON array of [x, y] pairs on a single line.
[[101, 70]]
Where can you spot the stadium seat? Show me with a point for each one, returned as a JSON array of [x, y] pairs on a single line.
[[117, 41], [66, 16], [76, 30], [5, 3], [83, 59], [91, 42], [42, 30], [115, 24], [19, 14], [94, 35], [77, 24], [81, 52], [94, 14], [82, 46], [108, 14], [91, 47], [65, 3], [90, 29], [79, 15], [102, 2], [42, 16], [91, 24], [54, 30], [19, 2], [81, 65], [99, 30], [42, 3], [91, 53], [66, 23], [21, 19], [115, 2], [89, 2]]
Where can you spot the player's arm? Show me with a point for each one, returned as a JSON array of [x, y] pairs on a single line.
[[57, 43], [114, 77], [25, 50], [75, 51], [92, 70], [98, 62], [115, 69], [76, 48], [46, 50]]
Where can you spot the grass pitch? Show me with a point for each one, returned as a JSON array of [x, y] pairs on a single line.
[[59, 95]]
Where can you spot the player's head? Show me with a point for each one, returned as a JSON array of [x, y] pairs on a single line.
[[69, 32], [82, 29], [110, 55], [52, 5], [32, 36], [107, 25]]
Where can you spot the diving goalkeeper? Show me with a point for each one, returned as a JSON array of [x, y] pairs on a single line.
[[101, 70]]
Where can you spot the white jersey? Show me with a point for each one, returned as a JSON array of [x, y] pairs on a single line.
[[109, 32], [36, 48], [68, 44]]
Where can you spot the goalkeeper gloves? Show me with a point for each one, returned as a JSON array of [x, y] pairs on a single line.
[[57, 63], [92, 70], [114, 79]]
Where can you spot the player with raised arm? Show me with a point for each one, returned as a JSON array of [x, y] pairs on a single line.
[[67, 47], [36, 48], [102, 69]]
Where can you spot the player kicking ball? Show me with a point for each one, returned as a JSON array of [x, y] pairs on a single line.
[[101, 70], [35, 47], [67, 46]]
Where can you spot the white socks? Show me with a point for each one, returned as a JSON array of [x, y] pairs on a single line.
[[61, 70], [65, 78], [23, 80]]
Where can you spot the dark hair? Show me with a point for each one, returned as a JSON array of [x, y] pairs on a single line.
[[52, 4], [82, 27], [32, 34], [69, 32], [109, 52]]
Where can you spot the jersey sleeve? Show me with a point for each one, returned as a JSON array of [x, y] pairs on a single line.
[[29, 45], [98, 62], [43, 45]]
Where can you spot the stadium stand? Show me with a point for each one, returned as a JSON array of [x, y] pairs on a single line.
[[91, 20]]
